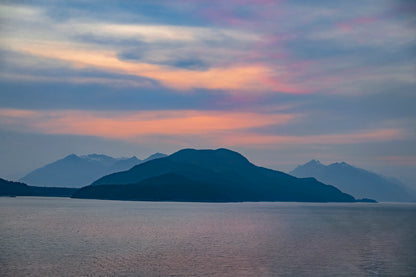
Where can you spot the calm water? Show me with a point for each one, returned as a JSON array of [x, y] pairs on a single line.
[[71, 237]]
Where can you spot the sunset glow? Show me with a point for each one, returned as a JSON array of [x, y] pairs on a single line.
[[280, 80]]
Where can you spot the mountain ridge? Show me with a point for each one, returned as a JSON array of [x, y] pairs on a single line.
[[223, 172], [78, 171], [356, 181]]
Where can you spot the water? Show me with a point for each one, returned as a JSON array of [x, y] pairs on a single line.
[[75, 237]]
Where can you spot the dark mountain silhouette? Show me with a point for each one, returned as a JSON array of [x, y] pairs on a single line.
[[8, 188], [208, 175], [79, 171], [355, 181]]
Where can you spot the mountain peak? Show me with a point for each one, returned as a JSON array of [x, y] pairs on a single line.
[[155, 156], [341, 164], [77, 171], [355, 181], [313, 162], [71, 157], [96, 157], [133, 158], [220, 175], [209, 155]]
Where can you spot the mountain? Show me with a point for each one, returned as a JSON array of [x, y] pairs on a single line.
[[154, 156], [355, 181], [79, 171], [8, 188], [208, 175]]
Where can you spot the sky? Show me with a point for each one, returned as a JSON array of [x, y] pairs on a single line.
[[281, 82]]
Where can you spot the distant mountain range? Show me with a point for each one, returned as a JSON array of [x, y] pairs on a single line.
[[208, 175], [356, 181], [8, 188], [78, 171]]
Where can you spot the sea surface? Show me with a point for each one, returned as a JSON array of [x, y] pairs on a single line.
[[75, 237]]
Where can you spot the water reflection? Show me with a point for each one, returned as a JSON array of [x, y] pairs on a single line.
[[73, 237]]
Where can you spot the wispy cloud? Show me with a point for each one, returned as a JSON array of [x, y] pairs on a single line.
[[361, 136], [254, 56], [155, 33], [221, 128], [47, 42], [128, 125], [238, 77]]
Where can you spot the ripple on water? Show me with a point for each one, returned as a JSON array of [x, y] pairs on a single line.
[[73, 237]]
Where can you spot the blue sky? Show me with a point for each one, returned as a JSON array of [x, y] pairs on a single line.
[[282, 82]]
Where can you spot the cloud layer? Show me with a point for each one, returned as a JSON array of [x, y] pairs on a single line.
[[285, 81], [221, 128]]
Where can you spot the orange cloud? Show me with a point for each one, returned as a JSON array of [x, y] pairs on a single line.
[[217, 127], [254, 77], [128, 125], [15, 113]]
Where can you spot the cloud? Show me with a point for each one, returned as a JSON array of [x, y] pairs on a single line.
[[376, 34], [350, 25], [238, 77], [64, 43], [289, 47], [261, 140], [128, 125], [287, 79], [154, 33], [399, 160], [114, 82], [221, 128]]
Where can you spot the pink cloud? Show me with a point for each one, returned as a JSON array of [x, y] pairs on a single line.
[[350, 25], [128, 125], [219, 128], [245, 77]]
